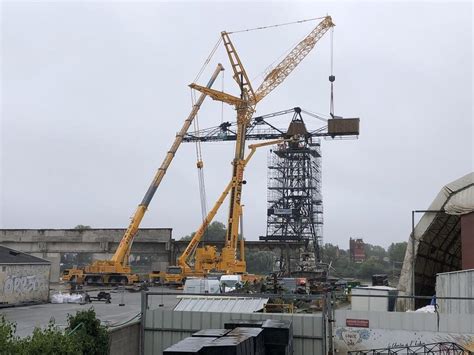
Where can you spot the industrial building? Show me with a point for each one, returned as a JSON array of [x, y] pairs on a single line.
[[357, 250], [23, 278]]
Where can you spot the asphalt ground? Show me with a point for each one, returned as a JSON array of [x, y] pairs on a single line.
[[31, 316]]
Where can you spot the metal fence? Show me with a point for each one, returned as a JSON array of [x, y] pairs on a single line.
[[162, 328], [434, 348], [317, 333]]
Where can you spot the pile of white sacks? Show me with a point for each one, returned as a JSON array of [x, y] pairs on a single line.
[[67, 298]]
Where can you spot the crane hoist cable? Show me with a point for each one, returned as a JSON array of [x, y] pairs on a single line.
[[199, 161], [332, 78], [208, 59], [200, 166], [222, 102]]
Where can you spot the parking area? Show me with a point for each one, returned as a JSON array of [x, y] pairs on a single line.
[[29, 317]]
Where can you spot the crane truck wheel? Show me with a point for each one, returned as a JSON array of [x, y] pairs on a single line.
[[93, 280], [118, 280], [113, 280]]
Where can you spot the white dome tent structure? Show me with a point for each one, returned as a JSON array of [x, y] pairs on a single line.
[[437, 242]]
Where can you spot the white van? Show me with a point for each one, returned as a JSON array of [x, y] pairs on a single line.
[[229, 282], [197, 285]]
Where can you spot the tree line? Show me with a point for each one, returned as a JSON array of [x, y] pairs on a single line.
[[378, 259]]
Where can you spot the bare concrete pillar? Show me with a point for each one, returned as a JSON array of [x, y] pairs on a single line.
[[159, 265], [101, 256], [467, 240], [55, 259]]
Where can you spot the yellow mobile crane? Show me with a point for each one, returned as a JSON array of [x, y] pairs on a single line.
[[206, 259], [245, 106], [117, 269]]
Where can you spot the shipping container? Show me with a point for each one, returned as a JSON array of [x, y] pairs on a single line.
[[366, 303]]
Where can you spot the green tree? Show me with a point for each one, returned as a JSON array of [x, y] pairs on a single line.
[[84, 335], [396, 251], [330, 252], [82, 226], [7, 336], [374, 251], [90, 334], [260, 262], [216, 231], [371, 266], [48, 341]]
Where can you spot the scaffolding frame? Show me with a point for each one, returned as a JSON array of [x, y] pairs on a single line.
[[295, 203]]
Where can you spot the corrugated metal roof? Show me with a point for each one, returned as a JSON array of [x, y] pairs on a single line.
[[11, 256], [220, 304]]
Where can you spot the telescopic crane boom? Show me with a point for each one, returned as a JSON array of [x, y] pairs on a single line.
[[117, 269]]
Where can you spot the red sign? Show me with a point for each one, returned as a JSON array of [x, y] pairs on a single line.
[[359, 323]]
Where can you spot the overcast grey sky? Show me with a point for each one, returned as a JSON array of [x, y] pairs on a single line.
[[93, 94]]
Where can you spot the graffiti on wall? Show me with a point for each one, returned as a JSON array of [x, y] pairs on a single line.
[[352, 339], [21, 283], [352, 336]]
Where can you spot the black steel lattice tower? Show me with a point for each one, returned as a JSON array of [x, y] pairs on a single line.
[[295, 206]]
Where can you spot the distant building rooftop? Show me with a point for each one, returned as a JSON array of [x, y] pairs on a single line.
[[11, 256]]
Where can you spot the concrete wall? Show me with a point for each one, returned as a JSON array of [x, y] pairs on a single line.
[[152, 249], [20, 283], [149, 240], [400, 329], [125, 340], [166, 327], [50, 244]]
